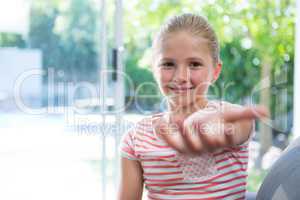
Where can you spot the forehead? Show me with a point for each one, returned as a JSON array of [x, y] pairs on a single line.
[[183, 44]]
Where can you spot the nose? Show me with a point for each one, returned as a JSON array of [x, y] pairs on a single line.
[[181, 74]]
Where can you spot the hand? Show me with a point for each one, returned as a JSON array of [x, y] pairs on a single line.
[[208, 130]]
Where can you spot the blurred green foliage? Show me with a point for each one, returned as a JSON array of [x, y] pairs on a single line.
[[11, 40], [255, 179], [65, 31]]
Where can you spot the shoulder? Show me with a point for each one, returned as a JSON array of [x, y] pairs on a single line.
[[143, 125], [148, 121]]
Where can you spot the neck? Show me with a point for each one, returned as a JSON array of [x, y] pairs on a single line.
[[187, 109]]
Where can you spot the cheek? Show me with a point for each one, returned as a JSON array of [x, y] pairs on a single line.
[[201, 81], [165, 77], [199, 77]]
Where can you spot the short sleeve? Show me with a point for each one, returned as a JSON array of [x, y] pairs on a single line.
[[127, 147]]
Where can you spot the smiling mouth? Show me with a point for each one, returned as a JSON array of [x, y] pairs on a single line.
[[181, 89]]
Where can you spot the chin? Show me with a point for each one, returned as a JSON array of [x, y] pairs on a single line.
[[181, 101]]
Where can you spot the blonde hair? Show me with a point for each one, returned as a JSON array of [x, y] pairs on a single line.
[[194, 24]]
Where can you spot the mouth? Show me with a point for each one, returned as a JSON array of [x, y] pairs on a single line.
[[181, 90]]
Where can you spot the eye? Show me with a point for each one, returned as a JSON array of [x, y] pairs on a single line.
[[167, 65], [196, 64]]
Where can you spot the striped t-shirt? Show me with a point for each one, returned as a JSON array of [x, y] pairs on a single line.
[[167, 174]]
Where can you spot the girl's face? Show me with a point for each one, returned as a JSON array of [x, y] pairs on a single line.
[[183, 68]]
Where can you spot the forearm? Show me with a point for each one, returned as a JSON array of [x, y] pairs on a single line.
[[242, 131], [126, 193]]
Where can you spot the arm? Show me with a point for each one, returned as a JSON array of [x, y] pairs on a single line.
[[131, 183], [228, 127], [241, 128], [207, 130]]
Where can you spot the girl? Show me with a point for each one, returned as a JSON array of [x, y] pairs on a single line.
[[198, 148]]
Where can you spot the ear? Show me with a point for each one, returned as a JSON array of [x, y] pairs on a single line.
[[217, 71]]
